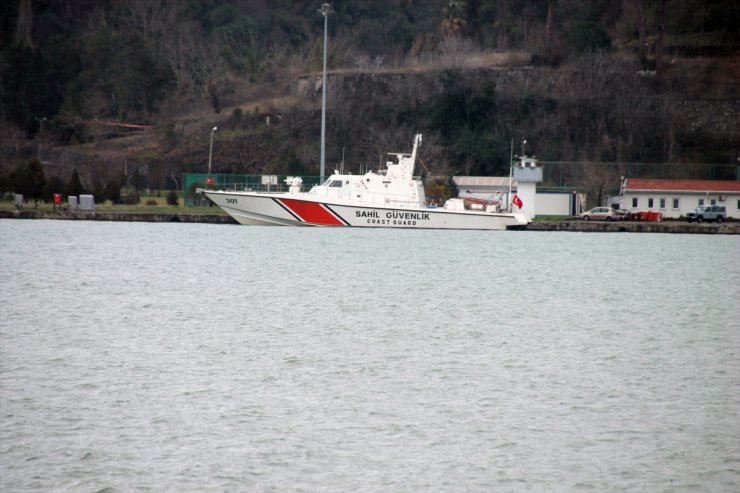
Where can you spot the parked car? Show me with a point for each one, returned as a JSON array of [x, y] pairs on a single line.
[[604, 213], [621, 214], [708, 213]]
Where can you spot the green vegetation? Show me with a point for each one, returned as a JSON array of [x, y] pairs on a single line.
[[160, 207], [113, 98]]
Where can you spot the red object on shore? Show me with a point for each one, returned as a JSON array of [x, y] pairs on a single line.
[[647, 216], [57, 199]]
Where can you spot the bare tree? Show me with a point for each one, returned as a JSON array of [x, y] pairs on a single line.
[[24, 24], [194, 60], [153, 21], [454, 52], [454, 21], [660, 38], [642, 29]]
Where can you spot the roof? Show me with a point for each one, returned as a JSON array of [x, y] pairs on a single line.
[[482, 181], [717, 186]]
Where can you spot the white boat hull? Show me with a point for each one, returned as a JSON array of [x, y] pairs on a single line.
[[303, 209]]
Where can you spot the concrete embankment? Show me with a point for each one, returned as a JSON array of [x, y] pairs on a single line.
[[175, 217], [681, 227]]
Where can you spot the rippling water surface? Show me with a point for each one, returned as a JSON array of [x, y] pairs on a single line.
[[187, 357]]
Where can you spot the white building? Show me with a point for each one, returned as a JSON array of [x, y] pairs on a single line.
[[676, 198]]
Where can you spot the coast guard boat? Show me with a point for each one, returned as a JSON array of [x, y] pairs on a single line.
[[389, 198]]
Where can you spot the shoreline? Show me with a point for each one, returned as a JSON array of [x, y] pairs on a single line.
[[675, 227], [150, 217], [672, 227]]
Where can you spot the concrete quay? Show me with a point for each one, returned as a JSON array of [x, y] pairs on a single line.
[[677, 227], [174, 217]]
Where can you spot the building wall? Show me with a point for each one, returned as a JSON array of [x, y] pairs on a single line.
[[555, 204], [687, 202]]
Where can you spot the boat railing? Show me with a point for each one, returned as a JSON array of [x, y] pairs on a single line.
[[368, 197], [251, 187]]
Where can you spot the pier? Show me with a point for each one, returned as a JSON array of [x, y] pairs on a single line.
[[174, 217]]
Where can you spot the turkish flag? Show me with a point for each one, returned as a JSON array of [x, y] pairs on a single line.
[[517, 201], [210, 181]]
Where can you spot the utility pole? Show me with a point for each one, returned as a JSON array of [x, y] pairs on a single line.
[[325, 9], [210, 153]]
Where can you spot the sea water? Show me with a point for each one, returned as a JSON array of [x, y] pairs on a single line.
[[191, 357]]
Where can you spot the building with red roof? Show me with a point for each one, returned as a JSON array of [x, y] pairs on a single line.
[[676, 198]]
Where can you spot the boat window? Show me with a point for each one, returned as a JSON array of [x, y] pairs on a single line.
[[335, 183]]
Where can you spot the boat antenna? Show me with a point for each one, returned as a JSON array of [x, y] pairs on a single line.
[[511, 166], [325, 9]]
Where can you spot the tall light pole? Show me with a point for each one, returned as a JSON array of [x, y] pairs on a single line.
[[210, 153], [325, 8]]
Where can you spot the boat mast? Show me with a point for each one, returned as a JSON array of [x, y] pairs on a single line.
[[325, 8], [511, 167]]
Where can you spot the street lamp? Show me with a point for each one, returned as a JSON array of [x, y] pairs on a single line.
[[210, 153], [325, 8]]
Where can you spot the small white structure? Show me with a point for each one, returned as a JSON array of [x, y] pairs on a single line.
[[527, 174], [269, 180], [87, 203], [676, 198]]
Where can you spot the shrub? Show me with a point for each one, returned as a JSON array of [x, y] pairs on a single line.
[[172, 198], [130, 196], [151, 202], [587, 37]]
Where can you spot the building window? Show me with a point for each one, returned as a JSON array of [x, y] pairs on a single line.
[[701, 201], [662, 203], [650, 203], [634, 201], [675, 204], [713, 202]]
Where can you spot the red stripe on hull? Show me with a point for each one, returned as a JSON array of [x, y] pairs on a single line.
[[311, 212]]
